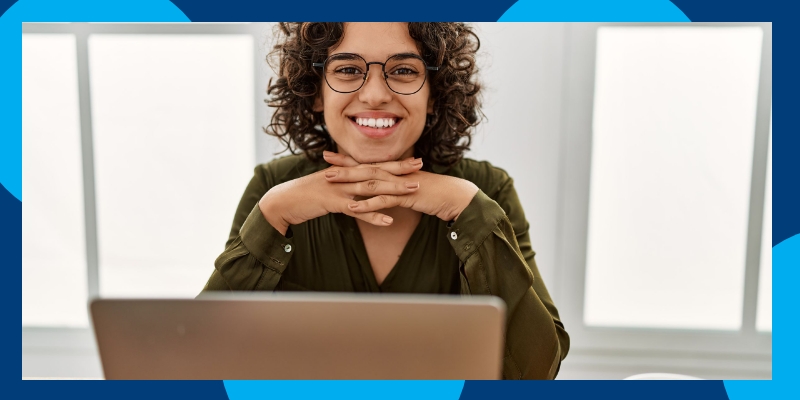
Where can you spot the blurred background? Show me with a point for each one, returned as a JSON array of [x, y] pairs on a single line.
[[641, 154]]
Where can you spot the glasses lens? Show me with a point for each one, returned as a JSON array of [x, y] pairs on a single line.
[[345, 73], [405, 74]]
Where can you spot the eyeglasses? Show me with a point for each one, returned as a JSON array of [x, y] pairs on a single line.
[[404, 73]]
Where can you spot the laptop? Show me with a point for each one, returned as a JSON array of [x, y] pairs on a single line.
[[248, 335]]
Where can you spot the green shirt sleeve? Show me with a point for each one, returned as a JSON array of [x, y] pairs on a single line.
[[496, 260], [256, 253]]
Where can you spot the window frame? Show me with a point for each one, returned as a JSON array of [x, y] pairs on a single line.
[[78, 342], [578, 87]]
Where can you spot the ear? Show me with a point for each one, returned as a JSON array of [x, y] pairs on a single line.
[[430, 105], [318, 105]]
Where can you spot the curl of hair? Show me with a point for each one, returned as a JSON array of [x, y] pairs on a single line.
[[454, 87]]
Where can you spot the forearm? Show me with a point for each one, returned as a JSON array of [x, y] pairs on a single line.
[[493, 264], [255, 260]]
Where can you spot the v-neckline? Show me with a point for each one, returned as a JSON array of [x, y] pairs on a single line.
[[363, 256]]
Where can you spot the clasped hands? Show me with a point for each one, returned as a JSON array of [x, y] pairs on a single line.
[[362, 190]]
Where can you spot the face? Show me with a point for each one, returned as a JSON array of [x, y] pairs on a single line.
[[347, 113]]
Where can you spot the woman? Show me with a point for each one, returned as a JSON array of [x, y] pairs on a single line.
[[381, 200]]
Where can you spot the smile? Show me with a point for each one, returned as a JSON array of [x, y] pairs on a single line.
[[379, 123], [376, 128]]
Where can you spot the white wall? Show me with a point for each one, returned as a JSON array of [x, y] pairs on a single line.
[[521, 72]]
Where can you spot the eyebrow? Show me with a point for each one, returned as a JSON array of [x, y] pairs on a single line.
[[401, 55]]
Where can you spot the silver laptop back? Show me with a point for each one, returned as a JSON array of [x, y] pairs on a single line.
[[300, 336]]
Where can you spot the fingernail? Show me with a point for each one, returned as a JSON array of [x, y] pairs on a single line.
[[387, 219], [331, 174], [411, 185], [326, 153], [353, 206], [416, 162]]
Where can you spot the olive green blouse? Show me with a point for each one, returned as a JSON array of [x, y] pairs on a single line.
[[487, 251]]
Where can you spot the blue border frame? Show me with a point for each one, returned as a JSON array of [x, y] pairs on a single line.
[[786, 191]]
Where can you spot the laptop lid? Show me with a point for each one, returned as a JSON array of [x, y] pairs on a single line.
[[301, 336]]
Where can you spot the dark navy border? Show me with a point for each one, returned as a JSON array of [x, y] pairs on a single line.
[[786, 193], [406, 10], [786, 140]]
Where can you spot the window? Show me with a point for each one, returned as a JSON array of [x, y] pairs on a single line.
[[174, 148], [53, 237], [665, 139], [674, 117], [168, 149], [104, 105]]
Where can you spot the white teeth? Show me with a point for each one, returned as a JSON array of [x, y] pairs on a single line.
[[376, 122]]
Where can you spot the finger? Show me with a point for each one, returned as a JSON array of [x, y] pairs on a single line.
[[380, 202], [403, 167], [339, 159], [364, 173], [374, 187], [374, 218]]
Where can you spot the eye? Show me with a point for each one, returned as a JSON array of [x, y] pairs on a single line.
[[403, 71], [348, 71]]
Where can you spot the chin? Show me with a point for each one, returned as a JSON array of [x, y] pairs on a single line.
[[372, 157], [373, 160]]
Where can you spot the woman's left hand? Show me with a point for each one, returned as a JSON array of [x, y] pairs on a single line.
[[440, 195]]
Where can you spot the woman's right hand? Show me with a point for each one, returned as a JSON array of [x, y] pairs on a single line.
[[313, 196]]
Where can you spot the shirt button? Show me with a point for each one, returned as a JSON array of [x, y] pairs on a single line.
[[287, 248], [453, 235]]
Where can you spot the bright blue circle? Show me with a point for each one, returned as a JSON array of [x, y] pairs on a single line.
[[11, 67], [594, 11], [785, 257], [344, 390]]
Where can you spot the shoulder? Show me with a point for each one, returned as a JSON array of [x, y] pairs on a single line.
[[498, 185], [488, 177], [286, 168]]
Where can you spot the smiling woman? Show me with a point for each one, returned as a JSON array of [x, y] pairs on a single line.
[[380, 198]]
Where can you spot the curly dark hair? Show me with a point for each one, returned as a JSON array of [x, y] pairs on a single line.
[[454, 88]]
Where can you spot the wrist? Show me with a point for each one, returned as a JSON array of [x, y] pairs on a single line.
[[466, 198], [272, 214]]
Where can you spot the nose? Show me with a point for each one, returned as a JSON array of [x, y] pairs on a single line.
[[375, 92]]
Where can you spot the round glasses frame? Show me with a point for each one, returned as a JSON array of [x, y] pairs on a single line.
[[324, 64]]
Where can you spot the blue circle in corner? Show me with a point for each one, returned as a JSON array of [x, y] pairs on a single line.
[[349, 390], [11, 68], [594, 11], [785, 256]]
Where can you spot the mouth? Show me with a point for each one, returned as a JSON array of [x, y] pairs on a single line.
[[376, 127], [378, 123]]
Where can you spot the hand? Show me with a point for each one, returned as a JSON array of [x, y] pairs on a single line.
[[315, 195], [440, 195]]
